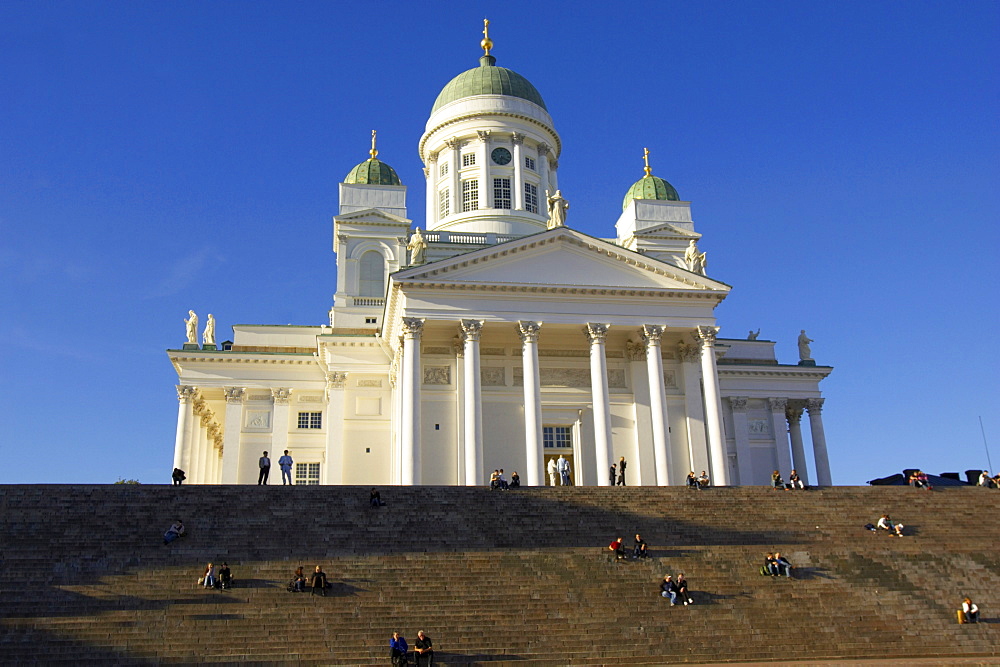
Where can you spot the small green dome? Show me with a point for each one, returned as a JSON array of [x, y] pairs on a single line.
[[651, 187], [488, 79], [373, 172]]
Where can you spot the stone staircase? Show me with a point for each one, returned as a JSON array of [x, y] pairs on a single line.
[[521, 577]]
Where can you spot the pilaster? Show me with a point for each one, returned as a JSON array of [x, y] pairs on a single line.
[[235, 398], [815, 408], [412, 379], [741, 426]]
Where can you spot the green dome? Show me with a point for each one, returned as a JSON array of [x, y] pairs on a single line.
[[488, 79], [373, 172], [651, 187]]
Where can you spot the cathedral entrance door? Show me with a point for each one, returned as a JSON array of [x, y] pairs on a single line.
[[558, 441]]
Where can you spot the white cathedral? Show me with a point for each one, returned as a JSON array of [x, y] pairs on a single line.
[[500, 337]]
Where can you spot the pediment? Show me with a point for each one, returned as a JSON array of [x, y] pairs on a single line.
[[558, 258], [370, 216], [666, 229]]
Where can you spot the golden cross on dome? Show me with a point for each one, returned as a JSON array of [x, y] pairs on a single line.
[[645, 157], [487, 43], [373, 152]]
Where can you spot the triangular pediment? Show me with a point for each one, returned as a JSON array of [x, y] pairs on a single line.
[[558, 258], [370, 216], [665, 230]]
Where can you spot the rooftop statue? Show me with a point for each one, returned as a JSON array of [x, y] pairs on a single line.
[[417, 246], [695, 261], [805, 352], [557, 207], [192, 327], [753, 334], [208, 338]]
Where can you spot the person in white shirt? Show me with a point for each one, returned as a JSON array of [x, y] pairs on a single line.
[[553, 469], [564, 470], [970, 610]]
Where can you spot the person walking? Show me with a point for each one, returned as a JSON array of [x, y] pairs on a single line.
[[285, 462], [265, 470], [553, 470], [564, 469], [621, 471]]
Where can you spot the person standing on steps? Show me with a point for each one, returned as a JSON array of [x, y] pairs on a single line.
[[611, 475], [285, 462], [423, 650], [265, 470], [553, 469], [563, 465], [621, 471]]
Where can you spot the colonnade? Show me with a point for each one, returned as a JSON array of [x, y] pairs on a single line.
[[529, 331], [198, 445]]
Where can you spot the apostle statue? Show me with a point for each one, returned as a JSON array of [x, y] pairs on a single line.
[[753, 334], [805, 352], [192, 327], [557, 207], [417, 246], [696, 261], [208, 337]]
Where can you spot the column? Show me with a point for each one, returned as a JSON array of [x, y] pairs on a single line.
[[815, 407], [543, 173], [528, 331], [694, 408], [553, 174], [336, 382], [185, 422], [713, 407], [778, 407], [741, 426], [483, 159], [473, 394], [431, 174], [794, 416], [657, 402], [279, 430], [455, 190], [204, 450], [597, 334], [412, 379], [235, 396], [518, 185], [642, 471]]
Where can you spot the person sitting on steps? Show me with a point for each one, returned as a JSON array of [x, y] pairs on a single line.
[[776, 481], [668, 589], [209, 576], [886, 524], [618, 548], [970, 612], [319, 581], [795, 482], [703, 481], [770, 565], [375, 498], [225, 577], [176, 530], [640, 549], [515, 480], [398, 649], [692, 481], [682, 588], [784, 566], [298, 582]]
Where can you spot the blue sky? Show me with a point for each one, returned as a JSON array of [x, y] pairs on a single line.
[[842, 160]]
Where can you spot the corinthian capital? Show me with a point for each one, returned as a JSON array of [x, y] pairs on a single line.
[[738, 403], [652, 333], [635, 351], [471, 329], [452, 143], [186, 393], [687, 351], [413, 326], [484, 135], [281, 395], [596, 333], [235, 394], [778, 404], [814, 405], [336, 380], [543, 150], [517, 138], [707, 335], [528, 331]]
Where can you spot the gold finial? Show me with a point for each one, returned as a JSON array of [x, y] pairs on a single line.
[[487, 43], [645, 157], [373, 152]]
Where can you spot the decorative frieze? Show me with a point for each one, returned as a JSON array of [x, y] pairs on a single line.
[[440, 375], [375, 384], [670, 378], [436, 350], [311, 399], [492, 376], [493, 352], [258, 397], [258, 419]]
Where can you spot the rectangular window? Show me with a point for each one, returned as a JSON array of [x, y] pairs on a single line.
[[469, 160], [470, 195], [444, 202], [531, 198], [310, 420], [371, 320], [529, 162], [557, 437], [307, 474], [444, 169], [501, 193]]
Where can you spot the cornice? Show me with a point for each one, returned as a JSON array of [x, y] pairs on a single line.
[[811, 372], [515, 288], [492, 114]]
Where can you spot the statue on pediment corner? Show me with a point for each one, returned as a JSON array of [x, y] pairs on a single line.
[[191, 323]]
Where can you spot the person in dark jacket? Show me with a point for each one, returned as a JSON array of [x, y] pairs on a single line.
[[398, 649], [319, 581], [423, 650]]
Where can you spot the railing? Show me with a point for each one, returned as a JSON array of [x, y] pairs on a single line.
[[369, 301], [470, 238]]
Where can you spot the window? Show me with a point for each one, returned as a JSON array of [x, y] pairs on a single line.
[[372, 274], [531, 198], [557, 437], [444, 169], [307, 474], [469, 160], [501, 193], [310, 420], [470, 195], [529, 162], [444, 203], [371, 320]]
